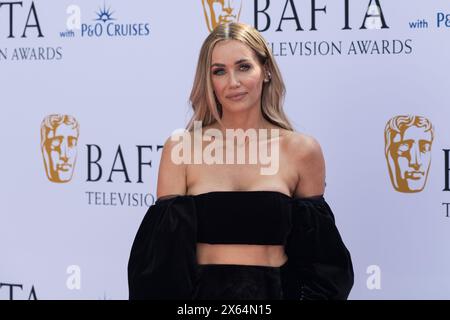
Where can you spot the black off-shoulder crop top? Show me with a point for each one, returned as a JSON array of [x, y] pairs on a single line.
[[163, 259], [243, 217]]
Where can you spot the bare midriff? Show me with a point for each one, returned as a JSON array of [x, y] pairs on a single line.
[[241, 254]]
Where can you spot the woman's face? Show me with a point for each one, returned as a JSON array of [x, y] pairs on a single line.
[[237, 76]]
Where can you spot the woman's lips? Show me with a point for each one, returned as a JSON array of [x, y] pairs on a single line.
[[237, 97]]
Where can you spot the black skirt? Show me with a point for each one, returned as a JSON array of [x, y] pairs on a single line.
[[238, 282]]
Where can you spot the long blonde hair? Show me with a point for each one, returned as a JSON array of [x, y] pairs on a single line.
[[203, 100]]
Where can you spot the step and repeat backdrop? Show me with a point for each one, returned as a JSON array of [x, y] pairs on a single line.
[[90, 90]]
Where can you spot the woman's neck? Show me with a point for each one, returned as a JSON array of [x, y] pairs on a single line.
[[245, 120]]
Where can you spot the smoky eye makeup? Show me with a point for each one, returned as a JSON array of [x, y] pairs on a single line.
[[241, 67], [217, 71], [245, 66]]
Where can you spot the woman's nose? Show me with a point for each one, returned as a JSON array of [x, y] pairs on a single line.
[[234, 81]]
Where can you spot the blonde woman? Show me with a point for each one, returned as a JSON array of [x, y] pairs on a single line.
[[240, 212]]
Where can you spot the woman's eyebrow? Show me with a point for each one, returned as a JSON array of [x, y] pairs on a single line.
[[222, 65]]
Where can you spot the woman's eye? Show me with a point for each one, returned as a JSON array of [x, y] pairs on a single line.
[[245, 67], [218, 72]]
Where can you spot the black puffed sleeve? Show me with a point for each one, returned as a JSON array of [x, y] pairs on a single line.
[[319, 265], [162, 262]]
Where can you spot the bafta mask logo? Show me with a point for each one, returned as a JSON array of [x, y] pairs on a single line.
[[59, 137], [221, 11], [408, 141]]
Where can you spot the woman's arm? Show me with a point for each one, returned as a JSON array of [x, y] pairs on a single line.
[[319, 265], [310, 166], [171, 176]]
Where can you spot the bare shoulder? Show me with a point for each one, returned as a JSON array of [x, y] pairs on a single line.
[[303, 146], [172, 172], [310, 164]]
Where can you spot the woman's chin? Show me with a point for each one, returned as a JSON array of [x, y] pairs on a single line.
[[237, 107]]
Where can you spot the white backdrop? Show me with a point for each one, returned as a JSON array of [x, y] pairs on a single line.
[[128, 84]]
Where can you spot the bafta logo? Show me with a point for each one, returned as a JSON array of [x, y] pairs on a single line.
[[408, 141], [59, 137], [221, 11]]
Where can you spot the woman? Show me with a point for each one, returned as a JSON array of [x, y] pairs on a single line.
[[227, 229]]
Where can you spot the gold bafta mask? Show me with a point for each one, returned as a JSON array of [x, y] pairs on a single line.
[[221, 11], [59, 137], [408, 141]]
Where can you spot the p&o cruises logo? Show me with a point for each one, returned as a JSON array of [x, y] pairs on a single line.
[[104, 24]]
